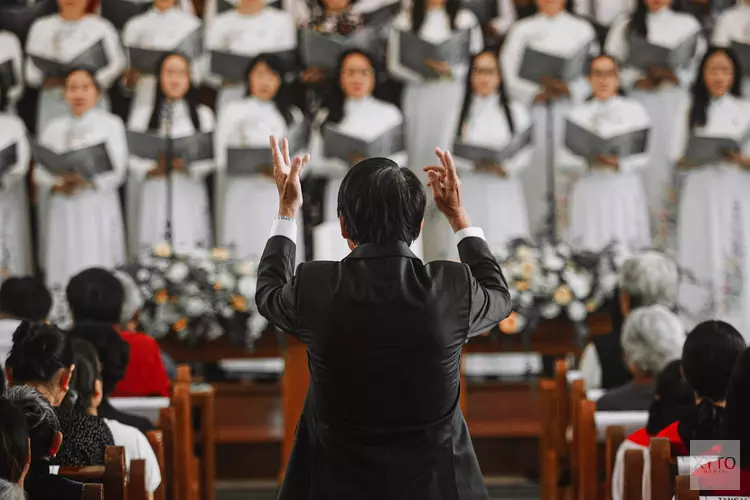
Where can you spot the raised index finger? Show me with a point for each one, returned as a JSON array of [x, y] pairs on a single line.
[[451, 174], [278, 159]]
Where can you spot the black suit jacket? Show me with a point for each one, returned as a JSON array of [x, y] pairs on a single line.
[[384, 334]]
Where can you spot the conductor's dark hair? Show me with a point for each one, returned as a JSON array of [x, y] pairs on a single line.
[[41, 420], [282, 99], [190, 98], [14, 441], [701, 95], [673, 398], [503, 100], [25, 298], [87, 372], [111, 350], [708, 357], [381, 203], [38, 353], [335, 97], [419, 11], [738, 405], [85, 69], [95, 295]]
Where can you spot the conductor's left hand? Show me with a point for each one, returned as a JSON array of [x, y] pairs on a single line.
[[286, 173]]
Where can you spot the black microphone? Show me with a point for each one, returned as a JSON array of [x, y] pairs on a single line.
[[167, 122]]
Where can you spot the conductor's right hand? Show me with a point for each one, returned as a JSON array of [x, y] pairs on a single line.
[[446, 190]]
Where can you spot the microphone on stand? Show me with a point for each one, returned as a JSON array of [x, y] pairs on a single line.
[[168, 111]]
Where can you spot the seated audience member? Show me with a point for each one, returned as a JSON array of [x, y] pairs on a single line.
[[651, 337], [14, 445], [21, 299], [85, 396], [114, 354], [42, 358], [10, 491], [673, 398], [708, 357], [46, 439], [96, 296], [646, 279]]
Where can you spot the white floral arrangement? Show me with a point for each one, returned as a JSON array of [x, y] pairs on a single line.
[[551, 280], [199, 296]]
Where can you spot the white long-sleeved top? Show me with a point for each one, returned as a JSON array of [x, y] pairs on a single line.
[[10, 50], [435, 29], [13, 131], [733, 25], [609, 118], [52, 37], [557, 35], [603, 12], [666, 28]]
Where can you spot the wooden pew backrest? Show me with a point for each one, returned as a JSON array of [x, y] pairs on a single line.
[[156, 440], [684, 489], [585, 452], [660, 452], [93, 491], [137, 480], [633, 475], [614, 437], [112, 475]]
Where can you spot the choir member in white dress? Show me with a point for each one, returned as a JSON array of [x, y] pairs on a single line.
[[660, 90], [608, 203], [175, 113], [15, 232], [553, 30], [246, 204], [733, 26], [163, 28], [81, 221], [351, 108], [713, 232], [250, 29], [493, 194], [11, 74], [62, 37], [603, 12]]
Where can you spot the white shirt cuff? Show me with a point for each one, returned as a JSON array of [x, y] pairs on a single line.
[[469, 232], [286, 228]]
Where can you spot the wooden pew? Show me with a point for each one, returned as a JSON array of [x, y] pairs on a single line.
[[586, 481], [684, 490], [137, 480], [168, 478], [93, 492], [111, 476], [615, 436], [156, 440], [633, 475], [662, 469]]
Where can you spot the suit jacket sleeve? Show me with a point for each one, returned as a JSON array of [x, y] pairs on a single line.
[[489, 298], [276, 293]]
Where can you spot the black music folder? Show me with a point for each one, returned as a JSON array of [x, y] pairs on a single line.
[[479, 154], [339, 145], [88, 162], [584, 142], [705, 150], [18, 18], [7, 75], [643, 54], [324, 51], [119, 12], [145, 60], [413, 51], [192, 148], [94, 58], [8, 158], [536, 65], [251, 160]]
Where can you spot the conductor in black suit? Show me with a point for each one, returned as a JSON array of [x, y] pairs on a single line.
[[384, 333]]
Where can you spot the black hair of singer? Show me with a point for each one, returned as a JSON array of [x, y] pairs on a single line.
[[738, 406], [282, 99], [14, 441], [673, 398], [83, 381], [419, 12], [112, 351], [701, 96], [25, 298], [190, 98], [381, 203], [334, 100], [95, 295], [41, 419], [708, 358], [38, 353]]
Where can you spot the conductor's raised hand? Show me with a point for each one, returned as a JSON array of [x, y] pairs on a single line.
[[286, 173], [446, 190]]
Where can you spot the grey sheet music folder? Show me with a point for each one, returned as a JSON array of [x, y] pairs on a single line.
[[323, 51], [643, 54], [345, 147], [145, 60], [584, 142], [248, 161], [536, 65], [93, 57], [704, 150], [119, 12], [413, 51], [231, 67], [192, 148], [479, 154], [382, 15], [7, 75], [8, 158], [743, 54], [87, 162]]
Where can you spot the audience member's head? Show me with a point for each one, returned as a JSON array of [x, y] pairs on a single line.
[[113, 352], [86, 387], [652, 337], [738, 407], [95, 296], [41, 421], [708, 357], [132, 303], [25, 298], [381, 203], [647, 279], [14, 445], [673, 398], [41, 357], [11, 491]]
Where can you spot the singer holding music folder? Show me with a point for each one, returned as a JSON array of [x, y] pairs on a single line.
[[732, 29], [71, 38], [712, 148], [163, 28], [543, 61], [245, 191], [607, 139], [11, 73], [176, 114], [80, 219], [658, 72], [15, 230]]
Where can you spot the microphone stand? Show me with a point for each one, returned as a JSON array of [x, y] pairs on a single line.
[[168, 159], [551, 178]]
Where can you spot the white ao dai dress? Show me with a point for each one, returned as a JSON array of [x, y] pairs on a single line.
[[733, 25], [10, 51]]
